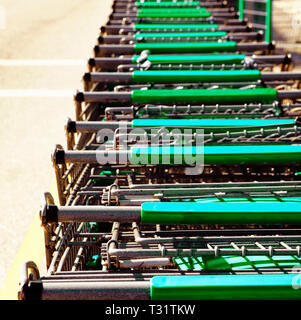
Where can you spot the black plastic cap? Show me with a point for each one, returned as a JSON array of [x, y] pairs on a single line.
[[34, 290], [79, 97], [91, 62], [249, 27], [260, 35], [59, 156], [272, 45], [51, 214], [100, 40], [96, 50], [87, 77], [71, 126], [288, 59]]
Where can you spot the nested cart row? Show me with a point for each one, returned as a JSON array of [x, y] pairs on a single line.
[[181, 175]]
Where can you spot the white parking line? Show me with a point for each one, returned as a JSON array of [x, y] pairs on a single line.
[[42, 62], [36, 93]]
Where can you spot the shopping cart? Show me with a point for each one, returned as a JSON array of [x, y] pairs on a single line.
[[144, 215]]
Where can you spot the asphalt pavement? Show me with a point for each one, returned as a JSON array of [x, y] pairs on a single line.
[[45, 46]]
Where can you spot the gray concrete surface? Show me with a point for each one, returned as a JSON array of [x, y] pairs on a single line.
[[31, 126], [287, 21], [287, 27]]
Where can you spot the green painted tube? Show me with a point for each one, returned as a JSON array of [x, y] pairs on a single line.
[[186, 47], [241, 9], [210, 124], [258, 212], [182, 35], [268, 21], [200, 59], [228, 287], [260, 154], [212, 155], [167, 15], [168, 4], [171, 10], [260, 95], [166, 76], [141, 26]]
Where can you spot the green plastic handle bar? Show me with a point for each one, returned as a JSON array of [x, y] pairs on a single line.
[[214, 96], [228, 287], [258, 212], [256, 154], [181, 35], [193, 59], [167, 15], [168, 4], [175, 26], [166, 76], [186, 47], [171, 10], [212, 155], [210, 124]]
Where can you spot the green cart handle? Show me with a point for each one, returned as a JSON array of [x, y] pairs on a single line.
[[214, 96], [219, 34], [223, 213], [225, 287], [272, 155], [142, 26], [166, 4], [186, 47], [190, 76], [215, 155], [210, 125], [185, 14], [194, 59], [171, 10], [166, 76]]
